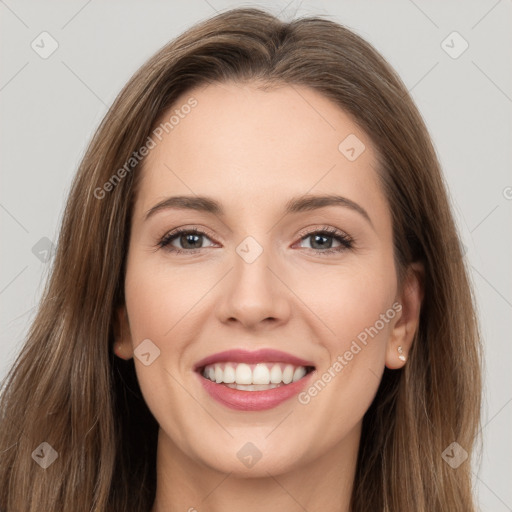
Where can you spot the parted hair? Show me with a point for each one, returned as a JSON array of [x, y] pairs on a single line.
[[68, 389]]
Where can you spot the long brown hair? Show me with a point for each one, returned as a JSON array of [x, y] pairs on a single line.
[[67, 389]]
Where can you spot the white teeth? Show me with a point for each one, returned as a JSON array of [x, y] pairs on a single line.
[[243, 374], [288, 373], [276, 375], [252, 387], [299, 373], [229, 374], [219, 374], [253, 377], [261, 374]]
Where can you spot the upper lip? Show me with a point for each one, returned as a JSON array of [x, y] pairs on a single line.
[[252, 356]]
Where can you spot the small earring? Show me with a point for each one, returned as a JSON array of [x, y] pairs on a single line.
[[401, 353]]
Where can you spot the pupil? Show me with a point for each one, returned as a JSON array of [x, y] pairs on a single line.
[[190, 238], [324, 238]]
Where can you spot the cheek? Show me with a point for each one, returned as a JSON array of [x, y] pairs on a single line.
[[356, 310], [361, 315], [158, 299], [349, 301], [160, 308]]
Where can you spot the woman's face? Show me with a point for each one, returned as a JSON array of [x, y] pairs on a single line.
[[261, 275]]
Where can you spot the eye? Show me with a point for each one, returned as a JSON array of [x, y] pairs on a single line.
[[321, 241], [189, 239]]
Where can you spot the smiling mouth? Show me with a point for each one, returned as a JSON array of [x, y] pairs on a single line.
[[254, 377]]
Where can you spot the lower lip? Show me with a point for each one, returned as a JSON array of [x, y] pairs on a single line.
[[253, 400]]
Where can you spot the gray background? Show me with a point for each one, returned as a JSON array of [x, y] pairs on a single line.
[[51, 107]]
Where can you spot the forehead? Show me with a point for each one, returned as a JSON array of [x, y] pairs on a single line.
[[259, 146]]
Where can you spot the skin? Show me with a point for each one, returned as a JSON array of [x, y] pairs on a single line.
[[253, 150]]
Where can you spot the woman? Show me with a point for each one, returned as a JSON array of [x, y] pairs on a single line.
[[258, 297]]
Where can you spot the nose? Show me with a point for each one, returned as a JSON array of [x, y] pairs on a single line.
[[253, 294]]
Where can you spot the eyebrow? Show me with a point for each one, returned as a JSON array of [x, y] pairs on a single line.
[[294, 205]]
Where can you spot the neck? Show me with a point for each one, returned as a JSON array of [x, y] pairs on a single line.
[[324, 484]]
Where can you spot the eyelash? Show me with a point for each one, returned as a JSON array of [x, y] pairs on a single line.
[[345, 240]]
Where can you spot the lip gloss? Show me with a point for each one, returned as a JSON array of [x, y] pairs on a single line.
[[253, 400]]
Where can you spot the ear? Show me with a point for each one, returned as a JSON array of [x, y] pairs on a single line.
[[122, 336], [407, 320]]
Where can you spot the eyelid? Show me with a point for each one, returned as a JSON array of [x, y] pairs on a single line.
[[326, 229], [199, 230], [346, 241]]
